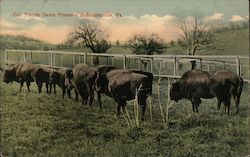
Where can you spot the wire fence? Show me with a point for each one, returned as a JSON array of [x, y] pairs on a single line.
[[162, 66]]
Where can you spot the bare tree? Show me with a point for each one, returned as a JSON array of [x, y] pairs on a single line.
[[147, 45], [92, 36], [196, 33]]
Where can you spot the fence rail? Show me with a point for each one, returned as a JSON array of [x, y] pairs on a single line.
[[164, 66]]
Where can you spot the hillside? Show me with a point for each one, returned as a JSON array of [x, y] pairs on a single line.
[[229, 42], [22, 42]]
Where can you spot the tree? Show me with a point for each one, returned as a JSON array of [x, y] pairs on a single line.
[[91, 35], [172, 43], [117, 42], [146, 45], [196, 33]]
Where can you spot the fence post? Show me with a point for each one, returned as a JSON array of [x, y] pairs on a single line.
[[139, 63], [85, 58], [24, 56], [113, 61], [238, 65], [201, 63], [30, 57], [208, 68], [6, 58], [54, 59], [124, 61], [151, 65], [175, 63], [61, 60], [51, 59], [74, 60], [160, 67]]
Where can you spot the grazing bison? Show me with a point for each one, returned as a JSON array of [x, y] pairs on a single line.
[[83, 81], [102, 71], [193, 85], [20, 73], [236, 82], [48, 76], [64, 72], [123, 85], [197, 84]]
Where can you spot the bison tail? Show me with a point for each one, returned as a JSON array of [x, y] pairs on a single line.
[[240, 87]]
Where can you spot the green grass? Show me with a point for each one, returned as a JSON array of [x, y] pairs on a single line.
[[35, 124]]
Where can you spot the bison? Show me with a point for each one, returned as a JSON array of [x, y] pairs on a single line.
[[48, 76], [102, 71], [125, 85], [20, 73], [197, 84], [100, 82], [64, 72], [193, 85], [235, 88], [83, 80]]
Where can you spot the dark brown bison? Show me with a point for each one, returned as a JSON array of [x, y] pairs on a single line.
[[193, 85], [20, 73], [102, 71], [48, 76], [83, 81], [235, 90], [197, 84], [64, 72], [123, 85]]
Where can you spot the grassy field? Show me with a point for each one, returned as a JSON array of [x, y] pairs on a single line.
[[35, 124]]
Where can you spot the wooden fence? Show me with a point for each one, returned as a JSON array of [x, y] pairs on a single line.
[[162, 66]]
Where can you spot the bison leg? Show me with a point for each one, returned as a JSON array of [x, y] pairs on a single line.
[[237, 103], [48, 87], [69, 94], [142, 103], [21, 85], [194, 106], [84, 95], [63, 91], [28, 85], [99, 99], [90, 98], [39, 85], [237, 100], [195, 103], [227, 104], [218, 103], [120, 103]]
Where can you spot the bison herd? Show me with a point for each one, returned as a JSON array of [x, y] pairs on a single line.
[[123, 85]]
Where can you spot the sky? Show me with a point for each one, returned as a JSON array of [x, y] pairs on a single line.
[[46, 19]]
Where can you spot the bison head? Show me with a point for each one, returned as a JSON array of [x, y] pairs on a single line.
[[9, 75], [68, 77], [101, 82], [175, 92], [54, 77]]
